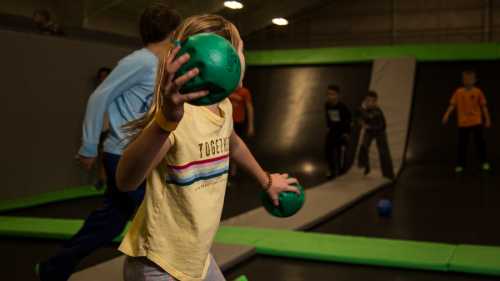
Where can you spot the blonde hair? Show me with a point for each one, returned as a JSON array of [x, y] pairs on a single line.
[[190, 26]]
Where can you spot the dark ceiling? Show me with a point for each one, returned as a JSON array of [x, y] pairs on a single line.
[[255, 15]]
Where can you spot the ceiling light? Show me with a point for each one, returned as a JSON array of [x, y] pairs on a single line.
[[280, 21], [233, 5]]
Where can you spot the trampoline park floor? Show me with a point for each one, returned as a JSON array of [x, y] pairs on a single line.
[[25, 253], [429, 204]]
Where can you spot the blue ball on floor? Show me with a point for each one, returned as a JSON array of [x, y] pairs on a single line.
[[384, 208]]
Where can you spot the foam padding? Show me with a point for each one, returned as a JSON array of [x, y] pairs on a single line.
[[50, 228], [340, 248], [39, 227], [360, 250], [50, 197], [306, 245], [247, 236], [476, 259], [422, 52]]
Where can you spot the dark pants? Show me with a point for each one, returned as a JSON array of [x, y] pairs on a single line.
[[383, 150], [336, 154], [463, 143], [99, 229]]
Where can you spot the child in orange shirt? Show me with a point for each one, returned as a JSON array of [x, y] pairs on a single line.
[[472, 115]]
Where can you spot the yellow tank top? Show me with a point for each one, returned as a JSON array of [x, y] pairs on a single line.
[[176, 223]]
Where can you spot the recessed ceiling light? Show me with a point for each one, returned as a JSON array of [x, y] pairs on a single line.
[[280, 21], [233, 5]]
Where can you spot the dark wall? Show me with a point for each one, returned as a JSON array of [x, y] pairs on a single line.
[[46, 82], [435, 83], [382, 22], [289, 106]]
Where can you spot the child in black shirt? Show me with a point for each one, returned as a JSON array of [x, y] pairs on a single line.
[[375, 129], [338, 120]]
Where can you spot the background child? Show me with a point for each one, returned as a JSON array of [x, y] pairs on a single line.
[[184, 152], [243, 115], [123, 96], [374, 125], [472, 115], [338, 121]]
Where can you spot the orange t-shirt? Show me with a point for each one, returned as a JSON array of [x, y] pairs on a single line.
[[468, 104], [239, 98]]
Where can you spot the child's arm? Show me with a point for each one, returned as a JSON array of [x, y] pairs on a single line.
[[446, 116], [250, 115], [142, 156], [487, 119], [486, 112], [243, 157], [451, 107], [145, 153], [384, 121]]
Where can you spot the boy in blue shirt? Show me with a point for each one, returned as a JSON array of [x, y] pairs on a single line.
[[125, 95]]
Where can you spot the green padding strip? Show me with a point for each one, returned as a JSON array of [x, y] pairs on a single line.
[[50, 197], [62, 229], [422, 52], [360, 250], [476, 259], [241, 278], [340, 248], [315, 246]]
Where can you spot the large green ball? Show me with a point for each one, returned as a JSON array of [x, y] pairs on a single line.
[[290, 203], [219, 65]]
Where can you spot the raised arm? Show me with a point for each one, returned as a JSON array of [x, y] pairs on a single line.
[[148, 149], [250, 115]]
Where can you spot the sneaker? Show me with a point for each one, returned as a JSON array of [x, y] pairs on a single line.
[[486, 167], [459, 169]]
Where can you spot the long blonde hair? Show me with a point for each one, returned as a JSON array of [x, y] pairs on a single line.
[[190, 26]]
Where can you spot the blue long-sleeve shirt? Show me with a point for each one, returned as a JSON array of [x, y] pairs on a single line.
[[125, 95]]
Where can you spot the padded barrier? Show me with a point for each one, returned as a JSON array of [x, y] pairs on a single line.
[[476, 259], [342, 248], [307, 245], [50, 197], [421, 52]]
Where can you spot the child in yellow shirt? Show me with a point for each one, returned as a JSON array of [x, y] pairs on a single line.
[[183, 152]]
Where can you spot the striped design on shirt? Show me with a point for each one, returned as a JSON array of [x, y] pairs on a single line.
[[187, 174]]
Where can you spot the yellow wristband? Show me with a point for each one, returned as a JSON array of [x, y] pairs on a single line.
[[166, 125]]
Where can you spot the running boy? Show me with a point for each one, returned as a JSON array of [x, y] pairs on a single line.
[[374, 125], [125, 95], [472, 115], [183, 153]]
